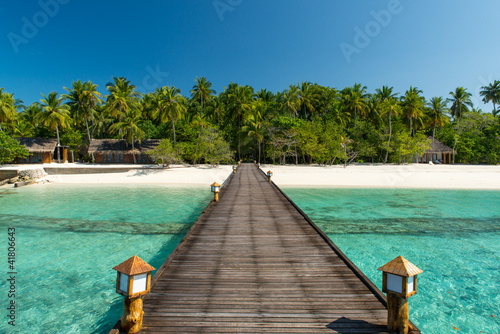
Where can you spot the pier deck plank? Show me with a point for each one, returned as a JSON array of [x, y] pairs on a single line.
[[254, 264]]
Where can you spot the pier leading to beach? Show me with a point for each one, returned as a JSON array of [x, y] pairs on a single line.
[[255, 263]]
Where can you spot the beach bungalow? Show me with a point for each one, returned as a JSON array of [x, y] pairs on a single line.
[[42, 150], [115, 151], [438, 153]]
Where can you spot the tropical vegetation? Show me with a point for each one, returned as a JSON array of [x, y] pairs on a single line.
[[305, 123]]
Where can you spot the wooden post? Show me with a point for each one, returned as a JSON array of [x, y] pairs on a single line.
[[132, 315], [216, 196], [397, 314]]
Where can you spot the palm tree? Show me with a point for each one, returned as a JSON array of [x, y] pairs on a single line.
[[307, 96], [413, 105], [239, 103], [83, 98], [54, 114], [253, 127], [7, 107], [291, 100], [385, 93], [460, 100], [215, 108], [169, 104], [129, 127], [354, 99], [436, 113], [122, 97], [391, 106], [491, 93], [202, 91]]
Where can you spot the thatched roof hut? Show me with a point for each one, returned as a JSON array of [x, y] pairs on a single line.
[[438, 153], [438, 147], [121, 145], [119, 151], [35, 145]]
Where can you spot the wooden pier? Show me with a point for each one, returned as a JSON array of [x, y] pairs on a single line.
[[255, 263]]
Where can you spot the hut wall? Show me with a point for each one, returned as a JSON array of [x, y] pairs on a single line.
[[98, 158]]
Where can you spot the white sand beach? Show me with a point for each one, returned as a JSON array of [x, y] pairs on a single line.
[[376, 175]]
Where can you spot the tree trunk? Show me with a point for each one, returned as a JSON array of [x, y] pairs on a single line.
[[173, 128], [133, 149], [259, 151], [390, 135], [58, 146]]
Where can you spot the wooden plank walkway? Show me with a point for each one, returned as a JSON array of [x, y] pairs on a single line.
[[254, 263]]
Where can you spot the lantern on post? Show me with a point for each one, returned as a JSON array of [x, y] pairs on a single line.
[[234, 169], [258, 165], [133, 281], [399, 281], [215, 189], [239, 163], [269, 175]]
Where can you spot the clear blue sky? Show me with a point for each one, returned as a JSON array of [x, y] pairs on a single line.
[[434, 45]]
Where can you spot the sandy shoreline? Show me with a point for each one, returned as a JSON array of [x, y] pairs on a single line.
[[355, 176]]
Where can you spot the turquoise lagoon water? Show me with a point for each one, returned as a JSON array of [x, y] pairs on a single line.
[[68, 239], [454, 236]]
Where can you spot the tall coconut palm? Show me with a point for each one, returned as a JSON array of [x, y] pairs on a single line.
[[385, 93], [169, 104], [354, 99], [491, 93], [436, 113], [83, 98], [122, 97], [390, 106], [55, 115], [7, 107], [215, 109], [239, 103], [202, 91], [413, 106], [253, 124], [461, 100], [307, 97], [291, 100], [129, 127]]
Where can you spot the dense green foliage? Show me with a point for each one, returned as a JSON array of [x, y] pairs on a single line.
[[306, 123], [10, 149]]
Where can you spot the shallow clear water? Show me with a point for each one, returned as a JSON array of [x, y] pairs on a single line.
[[68, 239], [454, 236]]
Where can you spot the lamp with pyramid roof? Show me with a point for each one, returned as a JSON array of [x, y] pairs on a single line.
[[133, 281], [400, 277], [134, 277], [399, 281], [215, 187]]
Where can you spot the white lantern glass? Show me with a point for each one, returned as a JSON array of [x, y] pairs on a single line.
[[140, 282], [394, 283], [411, 284], [124, 282]]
